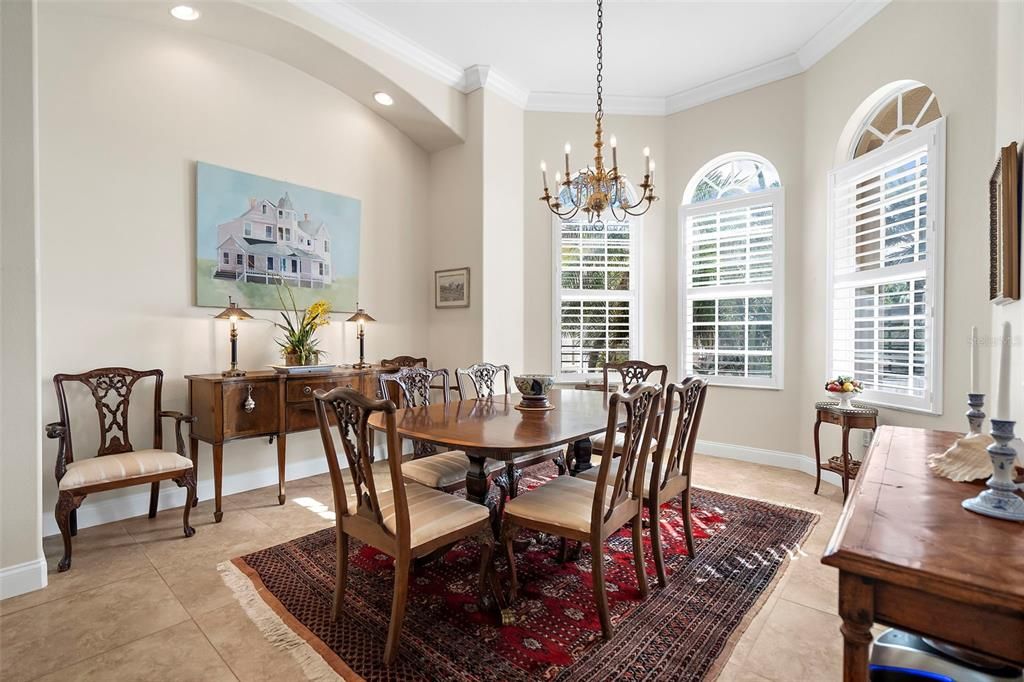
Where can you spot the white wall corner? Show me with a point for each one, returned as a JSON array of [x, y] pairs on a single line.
[[484, 76], [836, 31], [21, 578], [773, 458]]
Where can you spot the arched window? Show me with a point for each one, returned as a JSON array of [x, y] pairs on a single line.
[[596, 287], [732, 272], [885, 249]]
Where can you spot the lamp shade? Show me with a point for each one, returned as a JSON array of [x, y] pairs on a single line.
[[232, 312], [360, 316]]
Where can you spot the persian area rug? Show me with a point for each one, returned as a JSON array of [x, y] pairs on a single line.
[[681, 632]]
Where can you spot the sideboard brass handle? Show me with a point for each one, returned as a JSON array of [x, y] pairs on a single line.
[[249, 405], [307, 390]]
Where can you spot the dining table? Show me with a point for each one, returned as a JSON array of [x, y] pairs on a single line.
[[494, 428]]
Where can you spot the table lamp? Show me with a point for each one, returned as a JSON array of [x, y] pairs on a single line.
[[361, 318], [233, 313]]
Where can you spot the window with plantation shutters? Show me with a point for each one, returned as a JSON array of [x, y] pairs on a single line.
[[885, 269], [596, 296], [732, 273]]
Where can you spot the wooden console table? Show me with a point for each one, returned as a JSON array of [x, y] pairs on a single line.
[[280, 404], [911, 557]]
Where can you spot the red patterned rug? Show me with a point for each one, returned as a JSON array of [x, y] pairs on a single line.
[[680, 632]]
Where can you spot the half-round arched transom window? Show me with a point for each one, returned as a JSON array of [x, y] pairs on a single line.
[[731, 176], [911, 107]]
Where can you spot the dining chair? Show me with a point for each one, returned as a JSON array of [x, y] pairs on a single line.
[[442, 470], [117, 463], [579, 509], [406, 520], [630, 373], [668, 473], [481, 381], [403, 361]]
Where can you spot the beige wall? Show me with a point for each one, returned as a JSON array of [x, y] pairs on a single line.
[[1010, 128], [118, 143], [22, 567]]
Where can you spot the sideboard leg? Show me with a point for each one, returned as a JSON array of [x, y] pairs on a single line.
[[218, 479], [193, 450], [281, 438], [857, 609]]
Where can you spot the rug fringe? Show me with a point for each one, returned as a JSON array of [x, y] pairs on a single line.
[[273, 628]]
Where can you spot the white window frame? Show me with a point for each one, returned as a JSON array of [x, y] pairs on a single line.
[[634, 296], [933, 135], [775, 196]]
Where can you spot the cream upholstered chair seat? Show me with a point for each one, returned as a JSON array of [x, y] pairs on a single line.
[[122, 467], [443, 469], [620, 443], [564, 501], [591, 474], [432, 513]]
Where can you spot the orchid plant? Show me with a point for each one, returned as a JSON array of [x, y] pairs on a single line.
[[300, 326]]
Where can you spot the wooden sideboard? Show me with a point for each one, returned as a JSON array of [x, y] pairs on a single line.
[[911, 557], [261, 404]]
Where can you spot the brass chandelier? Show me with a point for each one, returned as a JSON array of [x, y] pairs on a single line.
[[597, 189]]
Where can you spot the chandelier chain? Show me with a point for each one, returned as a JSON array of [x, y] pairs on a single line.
[[600, 60]]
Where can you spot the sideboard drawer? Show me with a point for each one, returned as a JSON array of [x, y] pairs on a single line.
[[261, 418], [299, 390]]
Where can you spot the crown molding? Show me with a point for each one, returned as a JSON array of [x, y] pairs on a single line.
[[351, 20], [833, 33]]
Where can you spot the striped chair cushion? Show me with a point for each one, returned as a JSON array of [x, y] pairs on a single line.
[[443, 469], [565, 502], [591, 474], [620, 443], [123, 467], [432, 513]]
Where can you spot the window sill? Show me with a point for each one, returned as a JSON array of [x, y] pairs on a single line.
[[716, 381], [881, 404]]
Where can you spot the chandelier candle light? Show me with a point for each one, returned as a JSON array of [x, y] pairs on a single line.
[[597, 189]]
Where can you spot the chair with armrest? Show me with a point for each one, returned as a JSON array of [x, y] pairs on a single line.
[[481, 381], [442, 470], [668, 474], [117, 463], [578, 509], [400, 518]]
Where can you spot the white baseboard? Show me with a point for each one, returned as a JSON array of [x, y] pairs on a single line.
[[95, 512], [22, 578], [774, 458]]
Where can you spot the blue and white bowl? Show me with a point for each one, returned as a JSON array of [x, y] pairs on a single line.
[[535, 386]]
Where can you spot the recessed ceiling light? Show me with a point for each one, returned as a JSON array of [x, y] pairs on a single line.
[[185, 13], [383, 99]]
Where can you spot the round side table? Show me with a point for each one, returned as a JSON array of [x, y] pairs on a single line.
[[857, 416]]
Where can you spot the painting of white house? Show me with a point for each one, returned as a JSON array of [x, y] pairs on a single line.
[[254, 234]]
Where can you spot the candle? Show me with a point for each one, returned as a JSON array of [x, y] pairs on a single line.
[[652, 173], [568, 149], [1003, 389], [615, 153], [974, 359], [647, 157], [544, 174]]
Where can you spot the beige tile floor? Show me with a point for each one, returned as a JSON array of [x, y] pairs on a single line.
[[143, 603]]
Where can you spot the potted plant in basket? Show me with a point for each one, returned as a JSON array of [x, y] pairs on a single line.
[[843, 388], [299, 344]]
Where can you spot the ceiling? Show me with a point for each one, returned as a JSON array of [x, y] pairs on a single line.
[[654, 51]]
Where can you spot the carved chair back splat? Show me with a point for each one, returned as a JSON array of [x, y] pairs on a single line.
[[633, 372], [483, 376], [404, 361], [414, 386]]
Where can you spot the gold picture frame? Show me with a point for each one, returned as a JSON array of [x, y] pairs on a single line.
[[451, 288], [1004, 228]]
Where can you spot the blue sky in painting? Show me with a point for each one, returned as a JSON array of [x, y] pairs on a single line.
[[223, 194]]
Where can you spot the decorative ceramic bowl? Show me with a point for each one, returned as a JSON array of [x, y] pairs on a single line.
[[534, 385]]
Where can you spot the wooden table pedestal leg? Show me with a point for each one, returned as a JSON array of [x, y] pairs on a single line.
[[857, 609], [218, 479], [581, 456], [476, 479], [280, 467]]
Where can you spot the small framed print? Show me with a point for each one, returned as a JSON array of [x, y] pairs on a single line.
[[451, 288], [1004, 228]]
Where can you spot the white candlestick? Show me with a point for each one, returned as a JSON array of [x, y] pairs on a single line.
[[1003, 388], [544, 173], [974, 360]]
